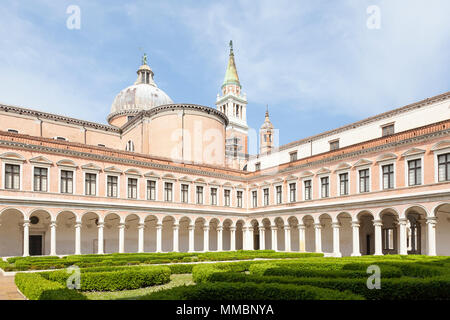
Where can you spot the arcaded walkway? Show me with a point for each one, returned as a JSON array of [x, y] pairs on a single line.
[[8, 290]]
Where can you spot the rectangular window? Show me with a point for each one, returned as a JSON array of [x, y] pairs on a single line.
[[239, 199], [258, 166], [185, 193], [111, 186], [388, 239], [40, 179], [66, 181], [168, 188], [199, 193], [308, 194], [334, 145], [292, 192], [279, 195], [226, 195], [132, 188], [12, 176], [387, 130], [444, 167], [343, 184], [151, 190], [293, 156], [266, 196], [388, 176], [415, 172], [90, 182], [364, 180], [325, 185], [255, 198], [214, 196]]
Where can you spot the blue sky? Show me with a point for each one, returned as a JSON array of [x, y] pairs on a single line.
[[315, 63]]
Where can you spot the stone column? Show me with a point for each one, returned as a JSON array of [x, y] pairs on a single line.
[[233, 238], [219, 238], [191, 229], [274, 229], [356, 252], [262, 239], [176, 228], [26, 238], [141, 229], [336, 241], [159, 237], [402, 230], [378, 247], [53, 238], [302, 237], [431, 239], [318, 236], [251, 238], [100, 248], [287, 238], [206, 238], [121, 237], [78, 237]]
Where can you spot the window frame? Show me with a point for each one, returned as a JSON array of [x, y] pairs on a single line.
[[436, 155], [211, 202], [60, 179], [118, 184], [311, 188], [172, 183], [252, 193], [408, 160], [358, 175], [295, 154], [34, 167], [96, 182], [14, 163], [326, 176], [137, 187], [380, 168], [276, 193], [242, 198], [347, 172], [203, 194], [225, 198], [147, 189]]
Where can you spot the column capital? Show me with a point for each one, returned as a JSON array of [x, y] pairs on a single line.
[[205, 228], [53, 223], [377, 223], [402, 221], [431, 220], [273, 227], [159, 226], [191, 227], [301, 226], [78, 224], [219, 228], [100, 224], [287, 227], [141, 226], [262, 228], [121, 225], [232, 228], [176, 226], [318, 225], [336, 225], [26, 223], [355, 224]]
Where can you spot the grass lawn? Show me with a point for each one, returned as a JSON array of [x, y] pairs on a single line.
[[175, 281]]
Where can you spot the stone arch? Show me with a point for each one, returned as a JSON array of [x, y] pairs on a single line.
[[213, 224], [344, 219], [416, 229], [293, 223], [226, 233], [366, 232], [150, 223], [41, 228], [441, 215], [199, 224], [89, 232], [168, 223], [185, 223], [279, 223], [239, 234], [11, 232], [266, 223], [131, 221], [255, 234], [65, 232], [111, 232], [310, 233], [326, 221]]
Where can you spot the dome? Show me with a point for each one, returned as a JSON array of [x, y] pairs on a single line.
[[139, 97], [144, 94]]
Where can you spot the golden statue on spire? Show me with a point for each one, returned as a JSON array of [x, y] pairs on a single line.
[[144, 59]]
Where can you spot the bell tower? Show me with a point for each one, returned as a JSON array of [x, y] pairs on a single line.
[[266, 135], [233, 103]]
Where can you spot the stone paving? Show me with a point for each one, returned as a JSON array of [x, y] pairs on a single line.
[[8, 290]]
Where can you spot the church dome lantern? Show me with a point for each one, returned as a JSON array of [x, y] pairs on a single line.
[[144, 94]]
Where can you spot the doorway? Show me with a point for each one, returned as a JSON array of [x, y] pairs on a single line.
[[35, 243], [368, 244]]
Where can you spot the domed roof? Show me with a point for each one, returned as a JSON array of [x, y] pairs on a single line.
[[143, 95]]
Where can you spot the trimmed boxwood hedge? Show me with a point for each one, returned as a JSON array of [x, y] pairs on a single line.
[[301, 270], [250, 291], [435, 288], [125, 279], [118, 259], [36, 287]]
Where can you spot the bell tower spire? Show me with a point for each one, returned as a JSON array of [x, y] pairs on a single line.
[[233, 103]]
